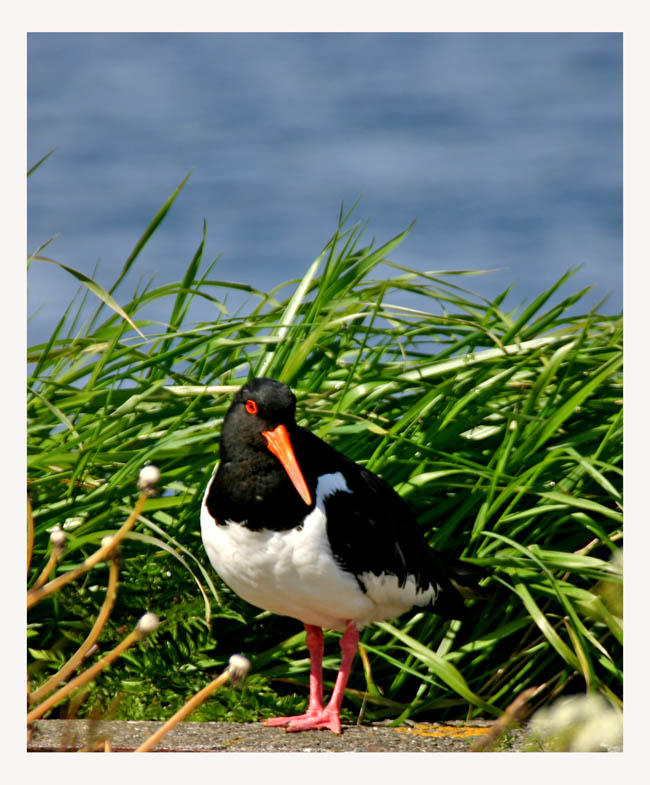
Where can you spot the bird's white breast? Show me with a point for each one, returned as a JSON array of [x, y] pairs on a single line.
[[294, 573]]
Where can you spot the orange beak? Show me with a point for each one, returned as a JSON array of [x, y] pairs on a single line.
[[280, 445]]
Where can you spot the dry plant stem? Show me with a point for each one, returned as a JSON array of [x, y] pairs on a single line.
[[30, 532], [77, 657], [513, 714], [557, 690], [366, 667], [370, 684], [86, 676], [503, 673], [596, 541], [513, 666], [36, 595], [188, 708], [45, 574]]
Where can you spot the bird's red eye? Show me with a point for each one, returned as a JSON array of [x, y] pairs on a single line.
[[251, 407]]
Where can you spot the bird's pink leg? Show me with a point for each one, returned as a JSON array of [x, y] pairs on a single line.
[[315, 646], [329, 717]]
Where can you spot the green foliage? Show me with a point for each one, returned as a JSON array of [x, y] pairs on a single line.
[[503, 430]]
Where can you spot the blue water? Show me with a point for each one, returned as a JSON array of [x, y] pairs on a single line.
[[506, 148]]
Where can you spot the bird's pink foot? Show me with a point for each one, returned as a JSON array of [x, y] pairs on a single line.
[[310, 720], [275, 722], [325, 719]]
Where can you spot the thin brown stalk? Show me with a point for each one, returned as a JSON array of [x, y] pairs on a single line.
[[77, 657], [30, 532], [137, 635], [513, 666], [236, 671], [57, 541], [36, 595], [513, 714], [558, 689], [47, 570]]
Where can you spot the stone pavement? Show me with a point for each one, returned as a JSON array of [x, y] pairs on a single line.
[[121, 736]]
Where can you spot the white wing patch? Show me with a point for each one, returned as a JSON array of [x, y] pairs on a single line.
[[329, 484]]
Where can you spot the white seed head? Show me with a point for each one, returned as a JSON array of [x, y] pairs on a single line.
[[238, 667], [581, 723], [147, 624], [149, 477], [57, 538]]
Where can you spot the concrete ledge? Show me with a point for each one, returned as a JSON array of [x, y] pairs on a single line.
[[93, 735]]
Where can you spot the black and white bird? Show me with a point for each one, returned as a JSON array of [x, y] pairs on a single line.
[[296, 528]]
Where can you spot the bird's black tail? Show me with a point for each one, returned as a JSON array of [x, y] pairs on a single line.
[[465, 578], [462, 584]]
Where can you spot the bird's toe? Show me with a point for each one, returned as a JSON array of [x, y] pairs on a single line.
[[326, 720]]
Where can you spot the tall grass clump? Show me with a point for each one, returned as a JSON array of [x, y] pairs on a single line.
[[502, 429]]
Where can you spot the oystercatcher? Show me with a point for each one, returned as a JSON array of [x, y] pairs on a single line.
[[296, 528]]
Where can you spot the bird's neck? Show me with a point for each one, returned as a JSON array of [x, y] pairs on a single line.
[[251, 487]]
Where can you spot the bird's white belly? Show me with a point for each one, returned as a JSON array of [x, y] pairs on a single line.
[[294, 573]]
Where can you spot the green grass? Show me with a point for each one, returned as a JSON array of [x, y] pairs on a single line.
[[503, 430]]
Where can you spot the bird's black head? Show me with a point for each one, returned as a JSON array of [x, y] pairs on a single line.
[[262, 417], [267, 403]]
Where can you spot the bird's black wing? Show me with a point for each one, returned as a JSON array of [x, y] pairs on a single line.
[[371, 529]]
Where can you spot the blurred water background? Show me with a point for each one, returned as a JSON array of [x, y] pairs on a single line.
[[506, 148]]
